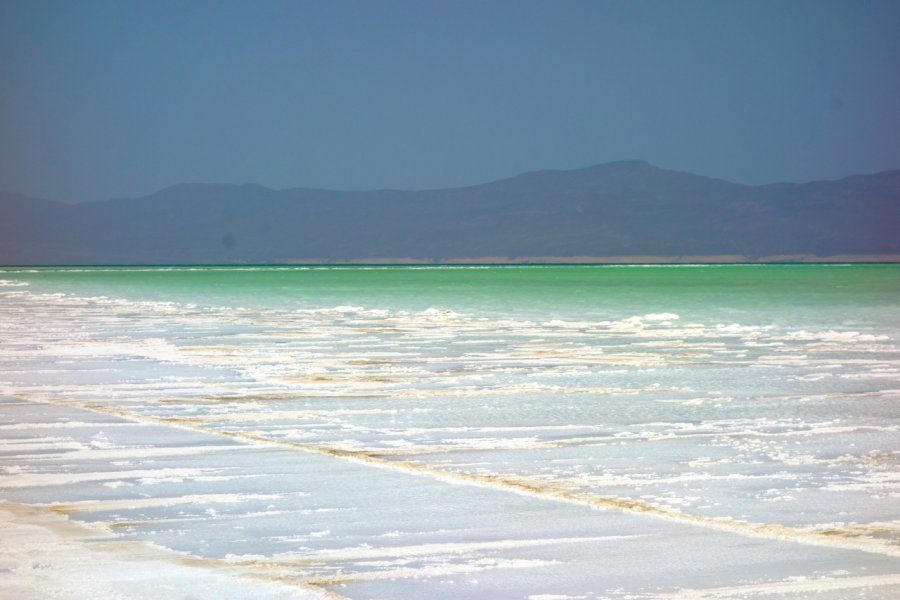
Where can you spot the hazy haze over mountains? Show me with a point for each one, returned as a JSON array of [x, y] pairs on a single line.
[[105, 99], [617, 209]]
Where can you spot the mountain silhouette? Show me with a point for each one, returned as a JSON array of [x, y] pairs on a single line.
[[621, 209]]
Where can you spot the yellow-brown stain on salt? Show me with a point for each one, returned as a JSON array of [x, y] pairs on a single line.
[[550, 491], [55, 518]]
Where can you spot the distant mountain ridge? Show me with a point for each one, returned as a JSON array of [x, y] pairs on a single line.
[[621, 209]]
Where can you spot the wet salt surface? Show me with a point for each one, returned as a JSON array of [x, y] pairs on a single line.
[[379, 453], [313, 519]]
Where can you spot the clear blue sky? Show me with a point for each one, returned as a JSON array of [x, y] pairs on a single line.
[[103, 99]]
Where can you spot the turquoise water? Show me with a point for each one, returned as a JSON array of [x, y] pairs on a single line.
[[803, 293], [394, 431]]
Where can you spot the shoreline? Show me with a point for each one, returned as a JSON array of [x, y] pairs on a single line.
[[636, 260], [735, 259]]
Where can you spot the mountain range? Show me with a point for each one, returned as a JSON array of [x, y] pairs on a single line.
[[622, 211]]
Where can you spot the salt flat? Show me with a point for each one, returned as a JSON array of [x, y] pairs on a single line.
[[257, 431]]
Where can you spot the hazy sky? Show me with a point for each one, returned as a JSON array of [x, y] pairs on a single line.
[[121, 98]]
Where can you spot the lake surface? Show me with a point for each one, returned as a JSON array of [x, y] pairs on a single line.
[[454, 432]]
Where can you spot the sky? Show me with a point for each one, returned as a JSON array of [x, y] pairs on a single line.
[[107, 99]]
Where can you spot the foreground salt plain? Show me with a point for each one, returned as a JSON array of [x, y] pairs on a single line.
[[303, 451]]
